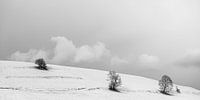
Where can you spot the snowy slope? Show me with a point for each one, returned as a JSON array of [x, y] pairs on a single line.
[[21, 81]]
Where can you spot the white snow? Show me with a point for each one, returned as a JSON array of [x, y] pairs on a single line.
[[21, 81]]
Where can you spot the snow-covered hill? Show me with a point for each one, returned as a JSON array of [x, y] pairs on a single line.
[[21, 81]]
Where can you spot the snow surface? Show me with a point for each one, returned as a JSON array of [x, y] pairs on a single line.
[[21, 81]]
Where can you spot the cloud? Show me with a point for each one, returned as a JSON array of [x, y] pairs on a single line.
[[65, 51], [115, 61], [146, 59], [190, 59], [91, 53], [31, 55]]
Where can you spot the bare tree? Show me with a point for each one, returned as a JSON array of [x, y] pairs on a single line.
[[41, 64], [115, 80], [165, 84]]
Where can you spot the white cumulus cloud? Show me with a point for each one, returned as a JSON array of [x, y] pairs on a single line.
[[146, 59], [31, 55], [66, 51], [91, 53], [63, 51]]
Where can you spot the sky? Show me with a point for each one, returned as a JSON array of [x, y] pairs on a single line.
[[148, 38]]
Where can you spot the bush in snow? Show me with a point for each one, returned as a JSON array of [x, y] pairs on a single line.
[[178, 90], [165, 84], [41, 64], [115, 80]]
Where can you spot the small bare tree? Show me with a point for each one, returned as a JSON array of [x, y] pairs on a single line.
[[41, 64], [165, 84], [115, 80]]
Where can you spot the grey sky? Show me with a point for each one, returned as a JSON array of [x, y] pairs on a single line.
[[143, 37]]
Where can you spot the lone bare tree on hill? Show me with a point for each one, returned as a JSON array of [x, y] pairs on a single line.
[[115, 80], [165, 84], [41, 64]]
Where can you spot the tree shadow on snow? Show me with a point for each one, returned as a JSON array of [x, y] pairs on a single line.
[[166, 93], [41, 68], [115, 90], [35, 67]]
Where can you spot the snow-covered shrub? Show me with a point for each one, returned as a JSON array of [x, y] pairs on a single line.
[[41, 64], [114, 80], [165, 84]]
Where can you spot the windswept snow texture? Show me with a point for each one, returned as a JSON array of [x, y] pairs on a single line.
[[21, 81]]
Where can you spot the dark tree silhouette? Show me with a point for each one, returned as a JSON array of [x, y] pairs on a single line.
[[178, 90], [41, 64], [165, 84], [115, 80]]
